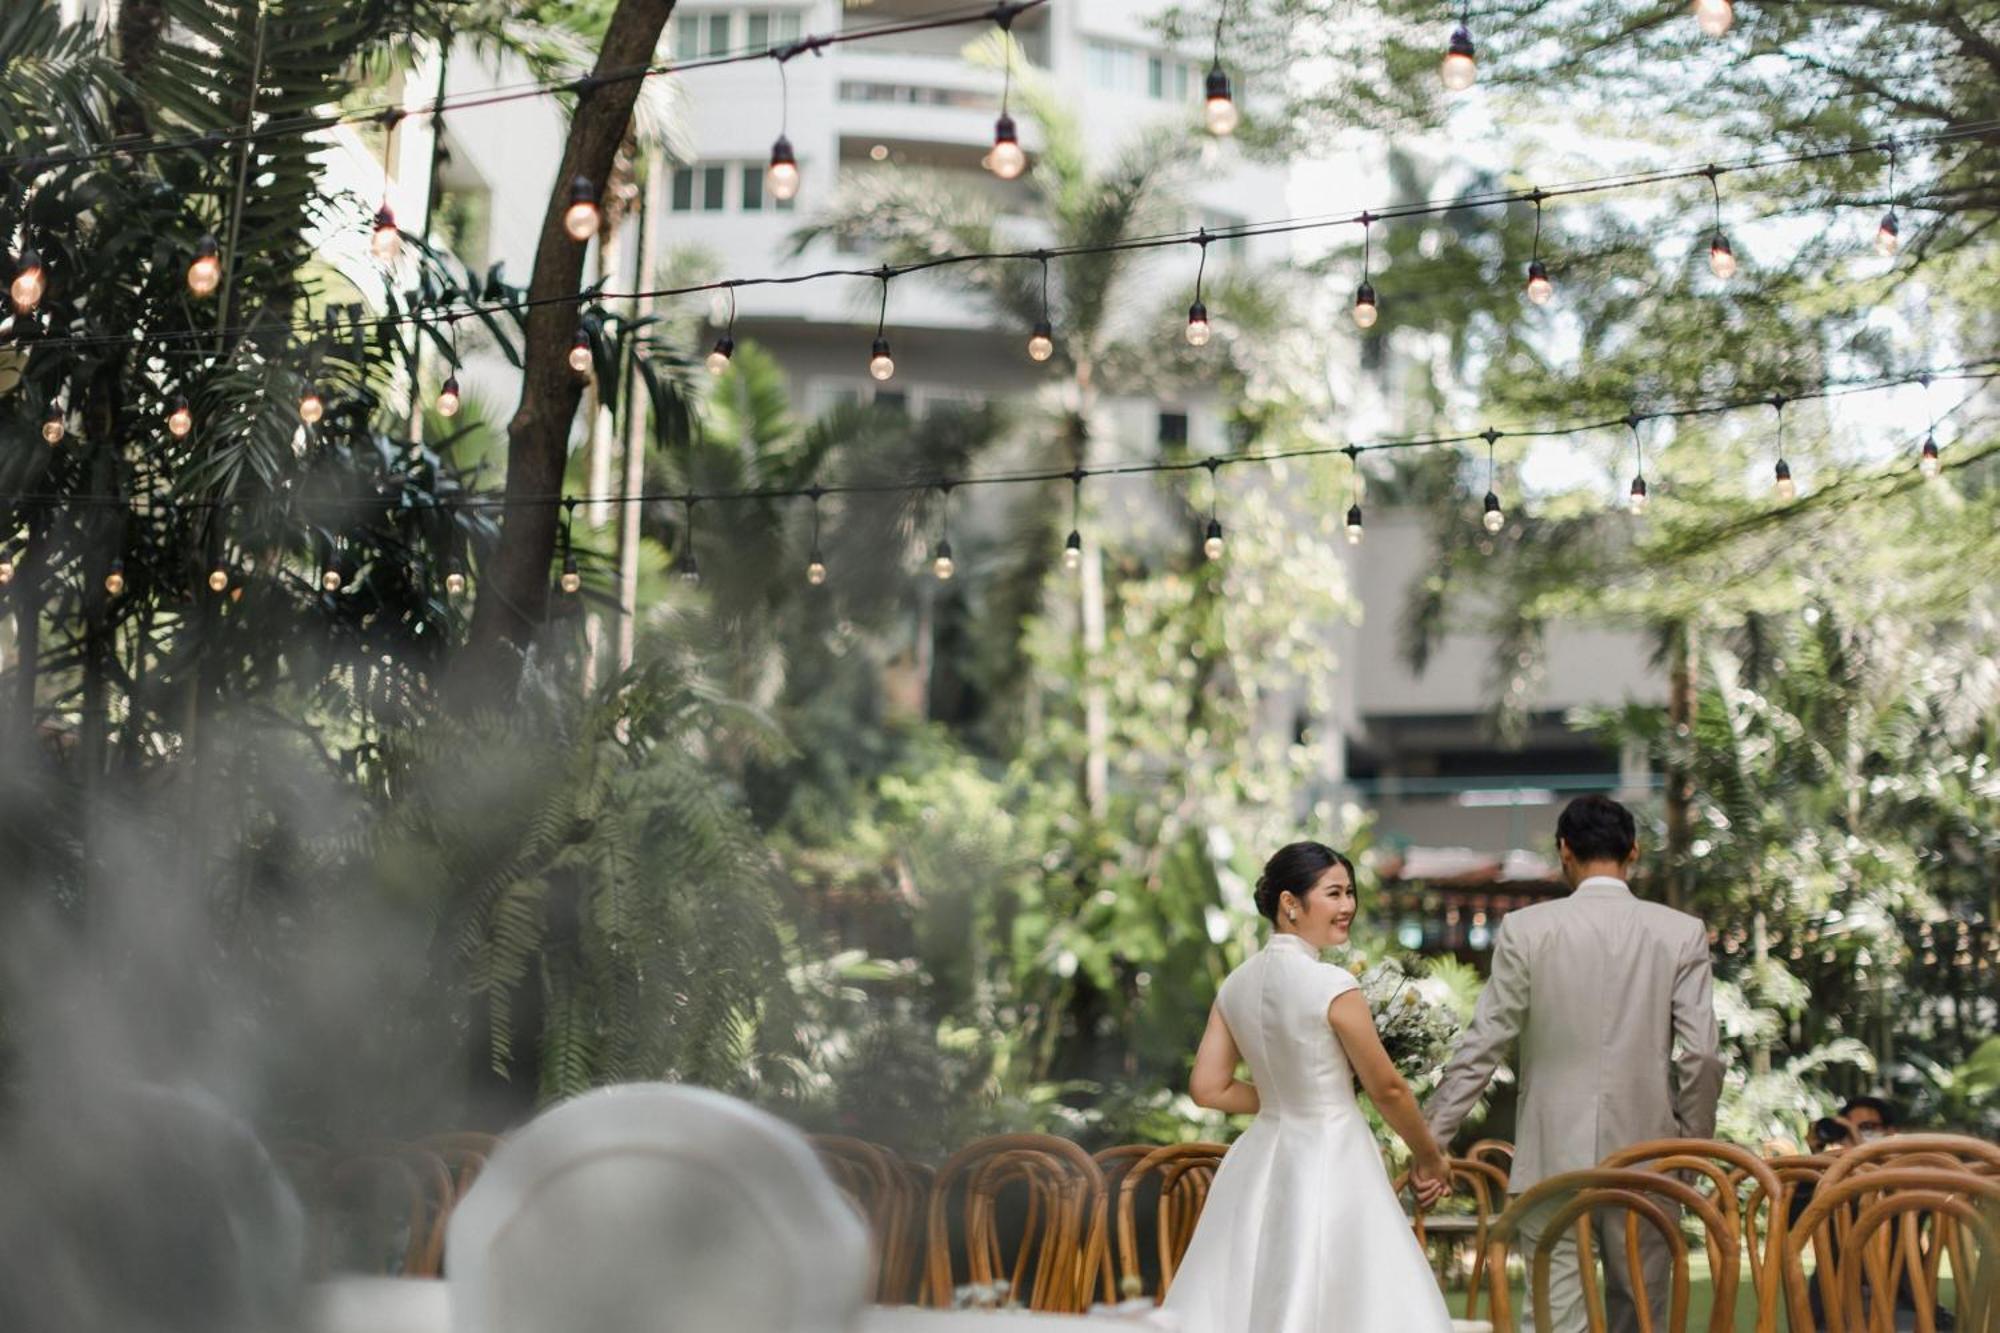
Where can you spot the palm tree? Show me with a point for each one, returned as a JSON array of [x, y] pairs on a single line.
[[1107, 324]]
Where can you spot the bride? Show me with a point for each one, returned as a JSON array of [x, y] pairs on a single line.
[[1302, 1232]]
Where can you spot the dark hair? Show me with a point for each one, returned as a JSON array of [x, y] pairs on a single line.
[[1880, 1106], [1597, 828], [1294, 869]]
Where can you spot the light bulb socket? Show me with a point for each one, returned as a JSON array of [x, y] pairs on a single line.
[[1461, 43], [581, 191], [1353, 517], [1783, 472], [1198, 313], [29, 260], [1639, 489], [880, 347], [1042, 329], [1537, 271], [1004, 131], [1890, 227], [1073, 547], [725, 347], [207, 248], [943, 551], [781, 153], [1214, 532], [385, 218], [1218, 85]]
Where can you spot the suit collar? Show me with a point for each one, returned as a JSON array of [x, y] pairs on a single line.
[[1602, 886]]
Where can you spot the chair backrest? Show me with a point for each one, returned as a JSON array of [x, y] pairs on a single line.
[[870, 1178], [651, 1208], [1496, 1153], [1486, 1186], [1879, 1237], [1976, 1154], [1745, 1189], [902, 1261], [1170, 1182], [1646, 1198], [1041, 1249], [1112, 1163]]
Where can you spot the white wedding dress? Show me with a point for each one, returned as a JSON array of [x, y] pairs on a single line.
[[1301, 1232]]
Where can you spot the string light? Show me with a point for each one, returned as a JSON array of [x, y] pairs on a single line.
[[1889, 234], [385, 243], [1042, 342], [1354, 530], [1197, 325], [1492, 517], [1782, 485], [114, 578], [204, 274], [1540, 289], [311, 407], [690, 568], [1927, 457], [725, 346], [181, 420], [579, 351], [1072, 556], [1365, 310], [6, 566], [30, 282], [53, 425], [1721, 259], [1211, 542], [1219, 111], [1460, 70], [218, 576], [1714, 16], [572, 579], [448, 397], [331, 577], [583, 217], [881, 365], [782, 176], [815, 563], [454, 580], [1006, 161], [942, 565], [1636, 500]]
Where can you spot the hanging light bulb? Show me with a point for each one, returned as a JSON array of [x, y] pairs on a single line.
[[448, 400], [572, 579], [1354, 531], [880, 364], [1888, 236], [30, 283], [579, 352], [311, 406], [1637, 501], [1197, 326], [1782, 483], [815, 570], [454, 581], [386, 242], [1211, 542], [1073, 551], [330, 578], [582, 218], [1006, 161], [218, 577], [1494, 518], [181, 420], [690, 570], [114, 579], [1365, 311], [1042, 342], [1714, 16], [52, 425], [205, 273], [1721, 259], [1219, 113], [1540, 289], [942, 564], [783, 174], [718, 357], [1927, 461], [1459, 69], [6, 568]]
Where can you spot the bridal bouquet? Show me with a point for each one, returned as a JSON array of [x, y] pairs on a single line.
[[1417, 1021]]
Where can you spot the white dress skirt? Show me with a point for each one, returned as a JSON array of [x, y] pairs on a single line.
[[1301, 1232]]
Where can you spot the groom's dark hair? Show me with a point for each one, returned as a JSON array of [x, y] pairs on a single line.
[[1597, 828]]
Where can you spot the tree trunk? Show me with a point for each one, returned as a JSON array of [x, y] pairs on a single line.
[[1681, 696], [514, 592], [651, 173]]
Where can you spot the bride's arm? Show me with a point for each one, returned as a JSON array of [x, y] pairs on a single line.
[[1355, 1027], [1214, 1083]]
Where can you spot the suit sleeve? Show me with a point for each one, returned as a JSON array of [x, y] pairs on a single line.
[[1698, 1053], [1503, 1006]]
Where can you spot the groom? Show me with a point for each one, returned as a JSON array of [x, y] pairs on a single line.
[[1599, 988]]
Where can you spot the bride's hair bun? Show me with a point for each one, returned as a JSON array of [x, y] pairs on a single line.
[[1294, 869]]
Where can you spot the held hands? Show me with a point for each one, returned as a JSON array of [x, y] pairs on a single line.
[[1430, 1177]]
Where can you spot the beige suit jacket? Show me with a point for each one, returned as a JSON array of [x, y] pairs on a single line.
[[1612, 1000]]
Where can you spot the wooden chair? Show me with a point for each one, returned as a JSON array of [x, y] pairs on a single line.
[[1742, 1185], [1179, 1175], [902, 1259], [1051, 1268], [1496, 1153], [1869, 1235], [1644, 1197], [416, 1188], [1486, 1186], [1976, 1155], [1112, 1164], [867, 1175]]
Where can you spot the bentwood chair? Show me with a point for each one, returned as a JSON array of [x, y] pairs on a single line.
[[1174, 1180], [1112, 1164], [1743, 1186], [1496, 1153], [1879, 1237], [1023, 1203], [1486, 1186], [865, 1173]]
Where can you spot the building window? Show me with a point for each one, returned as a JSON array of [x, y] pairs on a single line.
[[1156, 78], [683, 189], [687, 36], [758, 35], [1112, 67], [714, 189], [776, 27], [1173, 428], [753, 189], [892, 400]]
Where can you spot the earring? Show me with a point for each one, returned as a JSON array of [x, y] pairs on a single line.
[[1292, 915]]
